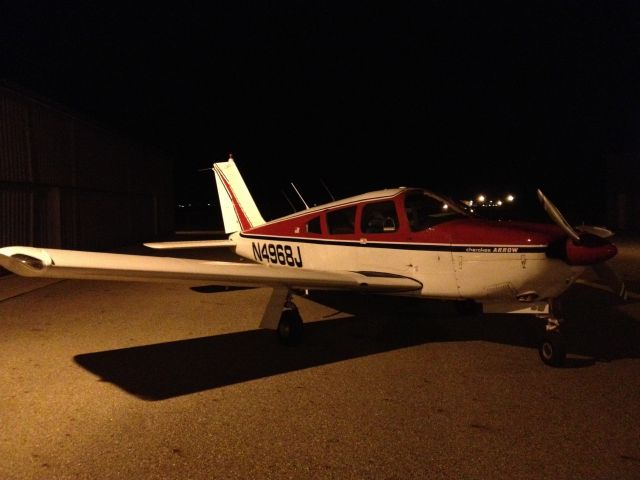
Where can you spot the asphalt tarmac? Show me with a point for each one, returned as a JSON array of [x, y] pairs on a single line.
[[110, 380]]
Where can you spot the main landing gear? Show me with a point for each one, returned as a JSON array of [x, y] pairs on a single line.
[[552, 348], [290, 325], [282, 316]]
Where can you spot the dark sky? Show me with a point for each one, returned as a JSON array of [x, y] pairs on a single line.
[[454, 96]]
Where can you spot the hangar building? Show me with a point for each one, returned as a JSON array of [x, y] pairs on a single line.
[[66, 182]]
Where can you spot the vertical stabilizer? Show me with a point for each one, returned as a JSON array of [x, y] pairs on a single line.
[[239, 211]]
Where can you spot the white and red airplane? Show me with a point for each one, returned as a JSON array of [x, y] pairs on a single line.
[[400, 241]]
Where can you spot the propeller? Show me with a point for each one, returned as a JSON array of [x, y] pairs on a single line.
[[609, 276], [587, 245], [557, 217]]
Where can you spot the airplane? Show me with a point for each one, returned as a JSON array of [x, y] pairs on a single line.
[[408, 242]]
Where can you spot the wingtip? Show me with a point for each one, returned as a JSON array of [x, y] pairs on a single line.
[[25, 261]]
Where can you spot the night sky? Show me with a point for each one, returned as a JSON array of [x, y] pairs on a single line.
[[454, 96]]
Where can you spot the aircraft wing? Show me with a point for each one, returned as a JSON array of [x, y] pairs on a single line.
[[191, 244], [52, 263]]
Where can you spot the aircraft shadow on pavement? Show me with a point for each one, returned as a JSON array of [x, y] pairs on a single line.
[[166, 370], [595, 328], [379, 324]]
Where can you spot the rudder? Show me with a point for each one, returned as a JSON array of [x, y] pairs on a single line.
[[239, 211]]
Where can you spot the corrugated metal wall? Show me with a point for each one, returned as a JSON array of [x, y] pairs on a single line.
[[623, 196], [67, 183], [15, 157]]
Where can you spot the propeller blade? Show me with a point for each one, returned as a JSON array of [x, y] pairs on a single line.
[[611, 279], [557, 217], [597, 231]]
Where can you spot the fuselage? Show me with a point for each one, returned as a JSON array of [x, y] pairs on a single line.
[[418, 234]]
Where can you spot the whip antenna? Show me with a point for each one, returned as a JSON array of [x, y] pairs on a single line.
[[328, 191], [305, 203]]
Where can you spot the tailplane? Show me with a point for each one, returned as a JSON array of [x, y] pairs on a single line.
[[239, 211]]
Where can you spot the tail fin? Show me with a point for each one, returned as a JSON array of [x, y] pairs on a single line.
[[239, 211]]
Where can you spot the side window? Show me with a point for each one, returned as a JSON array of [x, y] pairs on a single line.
[[342, 221], [313, 225], [379, 218]]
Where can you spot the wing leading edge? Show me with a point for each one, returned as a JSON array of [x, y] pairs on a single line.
[[72, 264], [191, 244]]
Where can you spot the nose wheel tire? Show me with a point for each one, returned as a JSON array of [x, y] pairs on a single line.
[[290, 327], [552, 349]]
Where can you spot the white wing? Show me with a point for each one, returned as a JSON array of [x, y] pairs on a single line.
[[191, 244], [51, 263]]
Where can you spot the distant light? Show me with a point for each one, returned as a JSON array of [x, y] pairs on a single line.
[[510, 198], [499, 203], [445, 206], [481, 198]]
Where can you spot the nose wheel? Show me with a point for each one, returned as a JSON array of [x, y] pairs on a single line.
[[552, 348]]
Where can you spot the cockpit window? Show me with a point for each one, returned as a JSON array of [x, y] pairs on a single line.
[[313, 225], [342, 221], [379, 217], [425, 210]]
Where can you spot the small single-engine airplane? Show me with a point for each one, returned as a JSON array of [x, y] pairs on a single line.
[[400, 241]]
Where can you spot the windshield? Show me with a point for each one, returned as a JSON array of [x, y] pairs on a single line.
[[425, 209]]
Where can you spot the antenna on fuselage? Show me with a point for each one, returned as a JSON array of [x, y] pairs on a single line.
[[289, 201], [305, 203], [328, 191]]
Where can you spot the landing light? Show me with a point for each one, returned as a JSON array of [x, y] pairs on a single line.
[[29, 261]]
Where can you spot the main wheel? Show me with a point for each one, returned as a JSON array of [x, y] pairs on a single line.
[[290, 327], [552, 349]]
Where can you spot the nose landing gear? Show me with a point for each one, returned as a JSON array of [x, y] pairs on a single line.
[[552, 348]]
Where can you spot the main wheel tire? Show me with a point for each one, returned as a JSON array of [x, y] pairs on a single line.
[[553, 350], [290, 327]]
